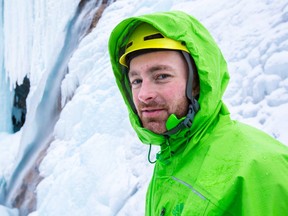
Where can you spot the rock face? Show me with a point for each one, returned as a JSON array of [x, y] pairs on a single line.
[[19, 104], [26, 197]]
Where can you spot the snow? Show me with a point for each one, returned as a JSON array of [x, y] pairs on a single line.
[[277, 64], [7, 212], [96, 165]]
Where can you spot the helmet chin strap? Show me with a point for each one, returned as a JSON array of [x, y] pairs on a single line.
[[174, 124]]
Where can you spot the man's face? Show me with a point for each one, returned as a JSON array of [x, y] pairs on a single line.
[[158, 82]]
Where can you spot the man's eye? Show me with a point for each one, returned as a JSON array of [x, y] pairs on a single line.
[[135, 82], [163, 76]]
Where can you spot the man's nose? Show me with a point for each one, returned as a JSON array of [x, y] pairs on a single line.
[[147, 92]]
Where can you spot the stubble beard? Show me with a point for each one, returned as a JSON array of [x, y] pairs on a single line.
[[158, 124]]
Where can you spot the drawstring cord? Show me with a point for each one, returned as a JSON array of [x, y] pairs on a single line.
[[160, 152], [149, 154]]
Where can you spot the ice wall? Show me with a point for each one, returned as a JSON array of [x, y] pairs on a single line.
[[5, 93], [46, 106]]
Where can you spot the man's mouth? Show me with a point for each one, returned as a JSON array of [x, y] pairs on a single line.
[[151, 112]]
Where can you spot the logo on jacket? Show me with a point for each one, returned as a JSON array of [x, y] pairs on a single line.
[[177, 211]]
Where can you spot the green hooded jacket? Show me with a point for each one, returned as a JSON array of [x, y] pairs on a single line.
[[218, 166]]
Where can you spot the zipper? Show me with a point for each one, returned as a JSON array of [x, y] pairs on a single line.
[[190, 187]]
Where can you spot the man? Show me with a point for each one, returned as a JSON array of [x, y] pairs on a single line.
[[208, 163]]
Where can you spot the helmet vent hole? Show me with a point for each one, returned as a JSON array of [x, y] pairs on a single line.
[[154, 36], [129, 44]]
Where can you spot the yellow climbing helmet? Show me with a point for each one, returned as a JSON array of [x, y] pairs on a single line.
[[145, 36]]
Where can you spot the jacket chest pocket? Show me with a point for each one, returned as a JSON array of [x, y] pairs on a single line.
[[175, 197], [194, 203]]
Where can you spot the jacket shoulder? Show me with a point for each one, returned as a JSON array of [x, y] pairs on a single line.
[[244, 165]]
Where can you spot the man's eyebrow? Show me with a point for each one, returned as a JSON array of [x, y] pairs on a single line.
[[132, 73], [159, 68], [151, 70]]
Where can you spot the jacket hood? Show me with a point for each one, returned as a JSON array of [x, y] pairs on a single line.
[[210, 63]]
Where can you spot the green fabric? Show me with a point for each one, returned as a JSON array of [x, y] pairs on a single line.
[[218, 166]]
